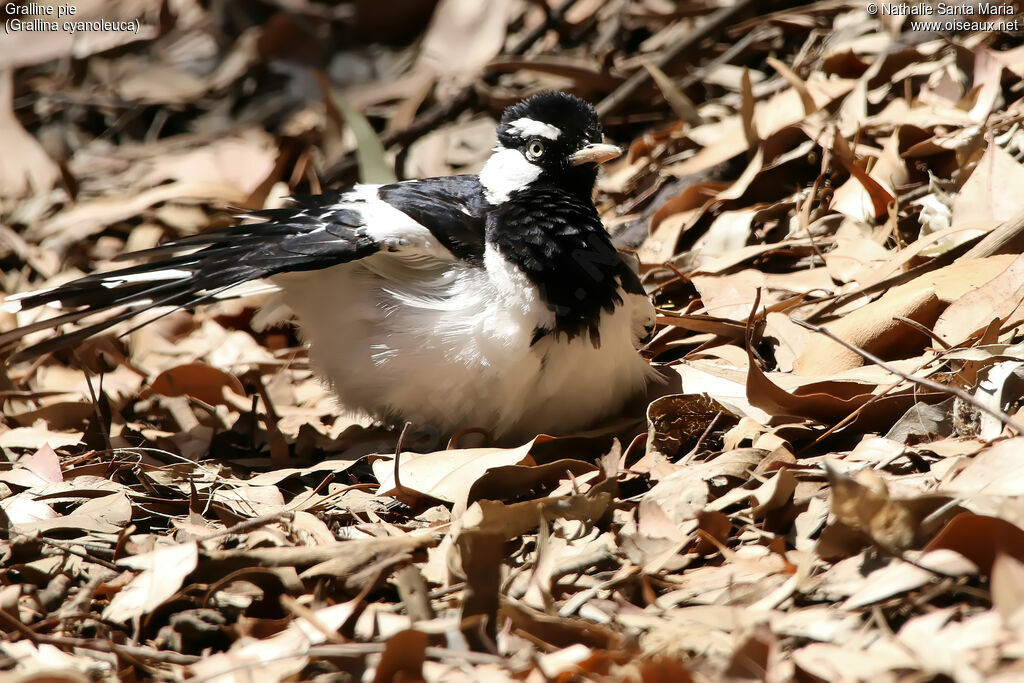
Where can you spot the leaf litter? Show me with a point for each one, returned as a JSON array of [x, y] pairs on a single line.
[[826, 207]]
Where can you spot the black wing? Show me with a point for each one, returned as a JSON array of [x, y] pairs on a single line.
[[452, 208], [317, 232]]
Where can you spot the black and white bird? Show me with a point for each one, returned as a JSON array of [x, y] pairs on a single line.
[[494, 301]]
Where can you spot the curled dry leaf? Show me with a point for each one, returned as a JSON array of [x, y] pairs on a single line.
[[875, 327], [996, 299], [403, 657], [199, 381], [981, 539], [445, 475], [676, 423], [864, 512]]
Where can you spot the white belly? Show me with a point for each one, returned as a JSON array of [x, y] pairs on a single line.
[[453, 349]]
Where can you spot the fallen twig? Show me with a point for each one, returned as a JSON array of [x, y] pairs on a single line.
[[250, 524], [716, 24], [139, 651], [934, 386]]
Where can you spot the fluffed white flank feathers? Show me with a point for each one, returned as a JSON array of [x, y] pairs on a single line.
[[506, 172], [528, 128], [449, 345]]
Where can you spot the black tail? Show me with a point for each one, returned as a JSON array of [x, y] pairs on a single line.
[[316, 234]]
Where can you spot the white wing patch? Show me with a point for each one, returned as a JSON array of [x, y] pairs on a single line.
[[529, 128], [394, 230], [151, 276], [12, 304]]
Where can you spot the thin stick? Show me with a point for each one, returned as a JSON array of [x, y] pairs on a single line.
[[319, 487], [717, 23], [19, 627], [934, 386], [398, 456], [849, 418], [72, 550], [923, 330], [100, 422], [139, 651], [247, 525], [707, 430]]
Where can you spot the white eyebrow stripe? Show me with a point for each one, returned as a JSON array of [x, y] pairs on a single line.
[[527, 127]]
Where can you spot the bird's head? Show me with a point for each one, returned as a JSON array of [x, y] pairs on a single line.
[[551, 137]]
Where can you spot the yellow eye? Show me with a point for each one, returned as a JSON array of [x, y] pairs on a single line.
[[535, 149]]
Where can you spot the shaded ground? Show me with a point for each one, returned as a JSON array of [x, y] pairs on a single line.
[[839, 499]]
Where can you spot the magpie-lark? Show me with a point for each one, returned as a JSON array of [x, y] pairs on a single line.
[[494, 300]]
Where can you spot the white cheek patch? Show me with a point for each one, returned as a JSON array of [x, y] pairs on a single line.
[[529, 128], [506, 172]]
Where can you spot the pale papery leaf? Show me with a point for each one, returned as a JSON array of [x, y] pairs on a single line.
[[163, 571], [988, 197], [29, 169], [1007, 581], [446, 475], [38, 437]]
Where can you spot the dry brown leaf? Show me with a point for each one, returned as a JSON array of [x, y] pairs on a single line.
[[773, 494], [863, 508], [559, 631], [995, 299], [1008, 588], [681, 104], [403, 657], [730, 296], [279, 656], [38, 436], [27, 168], [678, 498], [479, 556], [445, 475], [866, 196], [855, 252], [505, 482], [163, 571], [980, 539], [199, 381], [874, 327], [725, 139], [817, 399], [996, 471], [900, 577], [360, 573], [991, 195], [463, 36]]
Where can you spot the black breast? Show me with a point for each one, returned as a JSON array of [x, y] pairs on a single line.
[[558, 241]]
